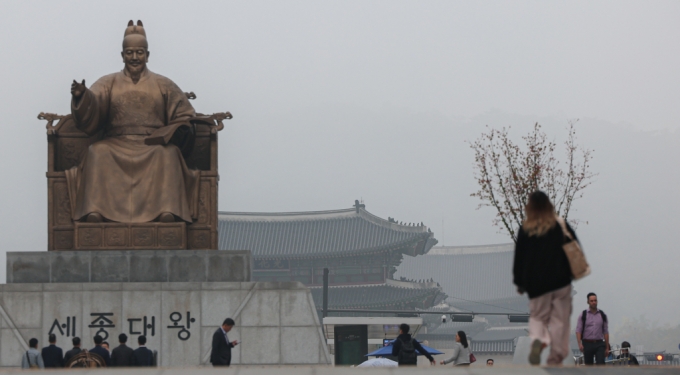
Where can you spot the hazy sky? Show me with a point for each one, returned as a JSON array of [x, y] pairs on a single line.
[[374, 100]]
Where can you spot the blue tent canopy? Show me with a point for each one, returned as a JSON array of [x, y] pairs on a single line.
[[387, 351]]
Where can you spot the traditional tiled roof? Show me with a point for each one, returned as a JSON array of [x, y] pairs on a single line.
[[327, 233], [482, 339], [478, 347], [518, 304], [493, 347], [465, 274], [449, 329], [377, 296], [502, 333]]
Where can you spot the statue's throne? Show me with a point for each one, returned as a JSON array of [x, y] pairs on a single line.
[[66, 146]]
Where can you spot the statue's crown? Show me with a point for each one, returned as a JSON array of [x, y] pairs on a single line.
[[135, 29]]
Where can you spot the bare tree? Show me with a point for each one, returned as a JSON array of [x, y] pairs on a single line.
[[507, 173]]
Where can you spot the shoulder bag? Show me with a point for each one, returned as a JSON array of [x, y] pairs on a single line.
[[577, 260], [30, 365]]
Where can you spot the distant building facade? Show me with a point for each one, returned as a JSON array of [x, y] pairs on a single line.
[[475, 279]]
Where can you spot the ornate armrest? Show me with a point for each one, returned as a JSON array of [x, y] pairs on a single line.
[[51, 118], [216, 120]]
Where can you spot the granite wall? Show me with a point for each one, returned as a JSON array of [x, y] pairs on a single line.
[[128, 266], [276, 323]]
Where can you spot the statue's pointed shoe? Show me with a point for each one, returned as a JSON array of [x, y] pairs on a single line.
[[94, 218], [166, 217]]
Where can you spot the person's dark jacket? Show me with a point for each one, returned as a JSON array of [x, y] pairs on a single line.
[[142, 357], [406, 337], [70, 354], [221, 349], [103, 353], [121, 356], [53, 356], [540, 265]]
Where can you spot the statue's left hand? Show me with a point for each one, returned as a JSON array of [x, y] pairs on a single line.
[[78, 89]]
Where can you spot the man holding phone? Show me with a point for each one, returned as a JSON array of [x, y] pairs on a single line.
[[221, 346]]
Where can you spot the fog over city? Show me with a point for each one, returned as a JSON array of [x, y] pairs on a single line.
[[374, 100]]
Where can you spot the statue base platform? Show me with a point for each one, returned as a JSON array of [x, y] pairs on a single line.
[[101, 266], [276, 323]]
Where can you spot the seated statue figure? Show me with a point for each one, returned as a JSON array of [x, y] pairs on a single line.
[[136, 173]]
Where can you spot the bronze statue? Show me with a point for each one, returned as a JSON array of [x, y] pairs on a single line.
[[123, 178], [133, 166]]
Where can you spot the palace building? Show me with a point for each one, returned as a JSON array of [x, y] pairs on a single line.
[[361, 251]]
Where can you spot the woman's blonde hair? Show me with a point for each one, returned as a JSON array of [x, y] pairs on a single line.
[[540, 214]]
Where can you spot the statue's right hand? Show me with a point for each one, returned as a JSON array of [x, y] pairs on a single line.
[[78, 89]]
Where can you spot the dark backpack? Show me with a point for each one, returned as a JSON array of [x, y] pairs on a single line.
[[407, 354], [583, 320]]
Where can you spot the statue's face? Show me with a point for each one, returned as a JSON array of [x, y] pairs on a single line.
[[135, 54]]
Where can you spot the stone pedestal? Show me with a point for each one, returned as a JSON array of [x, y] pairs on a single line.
[[128, 266], [143, 236], [176, 298], [276, 323]]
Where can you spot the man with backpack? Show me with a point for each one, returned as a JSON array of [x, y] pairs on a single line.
[[592, 333], [404, 348]]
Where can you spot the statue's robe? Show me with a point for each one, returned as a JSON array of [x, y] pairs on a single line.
[[121, 177]]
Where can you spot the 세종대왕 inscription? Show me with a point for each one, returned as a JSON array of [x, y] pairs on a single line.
[[104, 323]]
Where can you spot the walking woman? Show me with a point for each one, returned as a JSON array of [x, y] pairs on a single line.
[[541, 269], [461, 352]]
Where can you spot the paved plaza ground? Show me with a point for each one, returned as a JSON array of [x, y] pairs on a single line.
[[318, 370]]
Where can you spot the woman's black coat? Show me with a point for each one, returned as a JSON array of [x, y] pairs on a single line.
[[540, 265]]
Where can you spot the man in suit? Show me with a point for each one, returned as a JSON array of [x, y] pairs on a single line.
[[71, 353], [122, 355], [98, 349], [221, 346], [52, 355], [142, 356]]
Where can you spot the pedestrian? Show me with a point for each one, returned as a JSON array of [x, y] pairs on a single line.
[[52, 355], [592, 333], [461, 351], [106, 346], [122, 355], [98, 349], [405, 347], [71, 353], [32, 358], [489, 362], [628, 358], [220, 354], [142, 356], [542, 270]]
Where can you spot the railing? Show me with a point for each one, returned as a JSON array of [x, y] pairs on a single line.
[[641, 358]]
